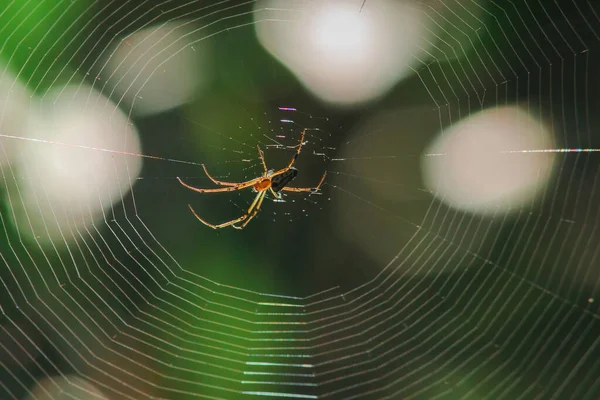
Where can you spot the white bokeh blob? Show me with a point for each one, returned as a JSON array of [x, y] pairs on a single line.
[[65, 182], [481, 164], [343, 56], [66, 387], [15, 100], [158, 68]]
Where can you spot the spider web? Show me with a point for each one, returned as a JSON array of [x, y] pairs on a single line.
[[372, 289]]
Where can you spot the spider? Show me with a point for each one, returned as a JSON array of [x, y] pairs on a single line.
[[273, 181]]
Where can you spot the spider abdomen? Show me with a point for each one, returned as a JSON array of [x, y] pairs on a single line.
[[280, 181]]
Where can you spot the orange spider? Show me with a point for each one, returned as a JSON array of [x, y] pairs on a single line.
[[275, 181]]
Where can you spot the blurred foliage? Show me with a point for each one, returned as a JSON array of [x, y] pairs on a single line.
[[40, 38]]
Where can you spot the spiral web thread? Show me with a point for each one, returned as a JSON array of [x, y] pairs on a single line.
[[422, 328]]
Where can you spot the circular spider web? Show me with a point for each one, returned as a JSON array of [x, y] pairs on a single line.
[[388, 283]]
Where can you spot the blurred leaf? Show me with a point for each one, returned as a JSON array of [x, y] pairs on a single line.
[[41, 36]]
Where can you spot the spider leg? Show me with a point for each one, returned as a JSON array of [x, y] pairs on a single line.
[[315, 189], [257, 199], [238, 186], [297, 152], [260, 198], [291, 164], [249, 213], [216, 181], [262, 158], [223, 225], [276, 195]]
